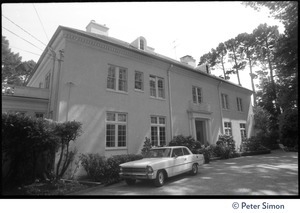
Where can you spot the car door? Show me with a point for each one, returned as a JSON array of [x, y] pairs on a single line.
[[178, 161], [188, 159]]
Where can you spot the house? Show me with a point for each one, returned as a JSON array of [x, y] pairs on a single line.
[[123, 92]]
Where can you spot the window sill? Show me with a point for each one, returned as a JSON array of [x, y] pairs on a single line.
[[117, 91], [138, 90], [160, 99], [115, 148]]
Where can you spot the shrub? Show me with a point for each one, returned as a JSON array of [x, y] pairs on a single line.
[[191, 143], [105, 170], [252, 144], [288, 126], [225, 147], [146, 148]]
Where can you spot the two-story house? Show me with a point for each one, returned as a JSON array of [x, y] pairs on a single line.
[[123, 92]]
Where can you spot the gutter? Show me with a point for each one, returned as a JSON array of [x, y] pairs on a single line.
[[170, 101]]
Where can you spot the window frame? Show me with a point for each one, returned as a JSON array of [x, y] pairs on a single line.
[[239, 102], [137, 81], [197, 96], [117, 123], [158, 125], [157, 90], [243, 131], [227, 128], [116, 78], [47, 80], [225, 102]]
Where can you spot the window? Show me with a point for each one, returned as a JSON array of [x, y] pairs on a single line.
[[39, 115], [139, 80], [47, 81], [239, 104], [117, 78], [142, 44], [177, 152], [197, 95], [224, 101], [185, 151], [158, 131], [116, 133], [227, 128], [243, 131], [157, 87]]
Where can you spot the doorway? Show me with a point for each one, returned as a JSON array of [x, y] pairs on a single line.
[[201, 136]]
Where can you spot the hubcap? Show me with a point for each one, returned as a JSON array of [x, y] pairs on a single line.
[[161, 178]]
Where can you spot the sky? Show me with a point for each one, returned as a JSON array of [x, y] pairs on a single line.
[[194, 28]]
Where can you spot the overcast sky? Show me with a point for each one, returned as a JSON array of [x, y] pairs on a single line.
[[196, 27]]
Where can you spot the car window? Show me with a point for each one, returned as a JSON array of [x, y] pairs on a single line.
[[185, 151], [177, 152]]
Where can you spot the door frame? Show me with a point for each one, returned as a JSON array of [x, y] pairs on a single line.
[[207, 124]]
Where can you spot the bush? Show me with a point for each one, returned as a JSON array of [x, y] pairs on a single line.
[[27, 144], [191, 143], [288, 125], [146, 148], [105, 170], [225, 147], [252, 144]]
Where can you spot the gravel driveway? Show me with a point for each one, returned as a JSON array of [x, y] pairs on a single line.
[[269, 174]]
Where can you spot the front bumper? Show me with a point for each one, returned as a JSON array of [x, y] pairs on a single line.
[[137, 176]]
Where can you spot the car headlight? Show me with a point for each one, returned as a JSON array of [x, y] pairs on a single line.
[[149, 169]]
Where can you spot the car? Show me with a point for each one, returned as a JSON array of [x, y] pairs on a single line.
[[160, 164]]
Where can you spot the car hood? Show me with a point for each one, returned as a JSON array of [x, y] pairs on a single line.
[[145, 162]]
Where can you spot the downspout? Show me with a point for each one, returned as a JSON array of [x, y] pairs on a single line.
[[220, 104], [170, 101], [70, 84], [58, 81], [51, 85]]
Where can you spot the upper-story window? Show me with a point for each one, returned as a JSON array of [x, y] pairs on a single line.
[[139, 80], [142, 44], [117, 78], [239, 104], [197, 95], [47, 81], [225, 104], [157, 87]]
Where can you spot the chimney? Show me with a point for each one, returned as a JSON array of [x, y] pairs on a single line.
[[189, 60], [96, 28], [204, 68]]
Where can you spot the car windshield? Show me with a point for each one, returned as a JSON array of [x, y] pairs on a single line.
[[159, 153]]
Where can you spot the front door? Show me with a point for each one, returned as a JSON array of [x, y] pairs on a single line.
[[201, 131]]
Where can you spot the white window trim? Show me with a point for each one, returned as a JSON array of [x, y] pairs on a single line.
[[116, 123], [243, 129], [158, 132], [117, 73], [226, 128], [157, 78]]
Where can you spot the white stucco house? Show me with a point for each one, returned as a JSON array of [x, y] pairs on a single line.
[[123, 92]]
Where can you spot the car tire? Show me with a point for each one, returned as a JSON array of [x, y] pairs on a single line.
[[194, 170], [160, 178], [130, 182]]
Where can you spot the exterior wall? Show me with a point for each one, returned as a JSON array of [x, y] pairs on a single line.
[[87, 99]]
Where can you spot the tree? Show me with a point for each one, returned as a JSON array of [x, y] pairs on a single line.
[[235, 56], [14, 71], [220, 59], [10, 61]]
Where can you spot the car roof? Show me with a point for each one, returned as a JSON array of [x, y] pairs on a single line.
[[163, 147]]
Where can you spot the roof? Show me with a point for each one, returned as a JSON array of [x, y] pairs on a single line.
[[123, 44]]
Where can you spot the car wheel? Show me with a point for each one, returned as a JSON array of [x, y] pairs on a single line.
[[194, 169], [130, 181], [160, 178]]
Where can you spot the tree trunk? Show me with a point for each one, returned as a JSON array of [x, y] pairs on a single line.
[[252, 82]]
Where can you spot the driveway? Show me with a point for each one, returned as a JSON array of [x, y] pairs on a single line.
[[270, 174]]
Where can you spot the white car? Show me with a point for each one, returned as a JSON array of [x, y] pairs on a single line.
[[161, 163]]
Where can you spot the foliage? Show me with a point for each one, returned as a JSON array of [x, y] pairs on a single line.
[[289, 128], [252, 144], [187, 141], [146, 148], [27, 144], [14, 70], [207, 153], [67, 132], [225, 147], [105, 170]]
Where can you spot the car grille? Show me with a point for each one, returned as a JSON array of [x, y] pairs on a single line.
[[134, 170]]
